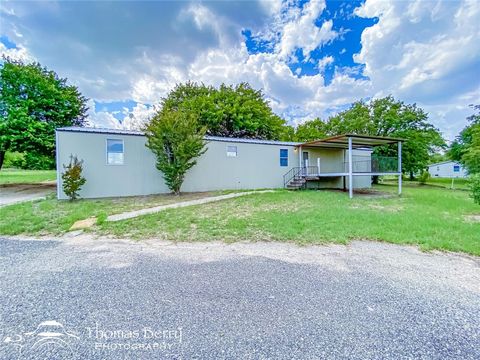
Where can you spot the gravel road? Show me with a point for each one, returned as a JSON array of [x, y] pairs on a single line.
[[84, 298]]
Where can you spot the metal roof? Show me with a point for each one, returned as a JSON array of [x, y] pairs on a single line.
[[252, 141], [92, 130], [445, 162], [358, 141]]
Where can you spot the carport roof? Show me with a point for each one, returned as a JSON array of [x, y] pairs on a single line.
[[358, 141]]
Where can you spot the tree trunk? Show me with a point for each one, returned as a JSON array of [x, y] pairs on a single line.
[[411, 176], [375, 179], [2, 157]]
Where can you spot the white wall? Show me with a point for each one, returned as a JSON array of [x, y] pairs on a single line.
[[256, 166], [446, 170]]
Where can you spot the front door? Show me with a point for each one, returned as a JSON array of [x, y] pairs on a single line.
[[305, 162]]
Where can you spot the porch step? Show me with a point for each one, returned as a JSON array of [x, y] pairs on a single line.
[[296, 184]]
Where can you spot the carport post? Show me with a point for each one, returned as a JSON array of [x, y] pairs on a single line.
[[399, 168], [350, 169]]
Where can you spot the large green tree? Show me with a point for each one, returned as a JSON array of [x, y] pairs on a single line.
[[466, 147], [33, 102], [233, 111], [176, 139], [383, 117], [311, 130]]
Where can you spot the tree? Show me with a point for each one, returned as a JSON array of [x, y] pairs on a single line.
[[311, 130], [232, 111], [386, 117], [471, 156], [72, 179], [176, 139], [466, 147], [33, 102], [438, 157], [474, 185]]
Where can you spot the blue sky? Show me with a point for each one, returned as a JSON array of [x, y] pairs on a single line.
[[311, 58], [341, 49]]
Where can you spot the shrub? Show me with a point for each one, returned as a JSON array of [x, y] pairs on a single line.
[[424, 177], [72, 177], [34, 161], [28, 161], [13, 160], [474, 184]]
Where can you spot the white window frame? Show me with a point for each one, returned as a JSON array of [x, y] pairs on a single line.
[[106, 152], [231, 153]]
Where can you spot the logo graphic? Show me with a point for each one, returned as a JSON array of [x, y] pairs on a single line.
[[49, 340]]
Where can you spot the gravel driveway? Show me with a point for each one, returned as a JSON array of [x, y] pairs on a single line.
[[84, 298]]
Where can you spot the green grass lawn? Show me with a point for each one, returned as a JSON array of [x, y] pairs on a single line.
[[432, 218], [15, 176], [51, 216], [459, 184]]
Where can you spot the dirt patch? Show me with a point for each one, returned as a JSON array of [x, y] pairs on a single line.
[[472, 218], [83, 224], [378, 207], [15, 193], [374, 194]]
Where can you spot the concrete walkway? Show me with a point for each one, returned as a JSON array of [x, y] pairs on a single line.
[[133, 214]]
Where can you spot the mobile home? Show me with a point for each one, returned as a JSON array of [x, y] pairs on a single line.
[[117, 163]]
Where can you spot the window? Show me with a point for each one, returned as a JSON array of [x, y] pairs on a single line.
[[114, 152], [283, 157], [456, 168], [231, 151]]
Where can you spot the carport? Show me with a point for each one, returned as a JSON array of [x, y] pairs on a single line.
[[376, 166]]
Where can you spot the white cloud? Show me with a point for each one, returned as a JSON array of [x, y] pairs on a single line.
[[425, 52], [19, 53], [419, 51], [138, 117], [130, 120], [300, 32], [101, 119], [324, 62]]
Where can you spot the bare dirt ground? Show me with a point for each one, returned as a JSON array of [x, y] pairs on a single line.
[[16, 193]]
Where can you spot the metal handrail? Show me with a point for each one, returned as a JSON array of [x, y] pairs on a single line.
[[290, 175], [386, 164], [310, 171]]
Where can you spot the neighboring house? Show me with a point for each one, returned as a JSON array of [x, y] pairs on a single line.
[[447, 169], [117, 163]]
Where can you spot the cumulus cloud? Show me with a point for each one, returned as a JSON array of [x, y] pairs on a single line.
[[419, 51], [19, 53], [301, 32], [425, 52], [134, 119], [324, 62]]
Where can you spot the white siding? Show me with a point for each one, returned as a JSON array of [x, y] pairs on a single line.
[[256, 166], [446, 170]]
